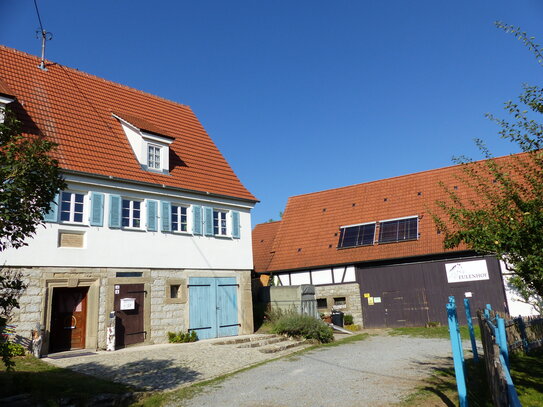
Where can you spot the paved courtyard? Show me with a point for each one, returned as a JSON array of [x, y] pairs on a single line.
[[164, 367], [377, 371]]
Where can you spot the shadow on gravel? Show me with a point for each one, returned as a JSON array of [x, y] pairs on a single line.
[[143, 374]]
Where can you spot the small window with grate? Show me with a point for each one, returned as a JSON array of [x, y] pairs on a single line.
[[357, 235], [398, 230], [321, 303], [339, 301]]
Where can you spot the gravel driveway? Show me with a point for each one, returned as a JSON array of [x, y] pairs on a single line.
[[378, 371]]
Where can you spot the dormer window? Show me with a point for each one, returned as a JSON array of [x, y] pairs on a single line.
[[149, 143], [153, 157]]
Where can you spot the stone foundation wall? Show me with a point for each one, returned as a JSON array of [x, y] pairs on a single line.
[[162, 314], [351, 292]]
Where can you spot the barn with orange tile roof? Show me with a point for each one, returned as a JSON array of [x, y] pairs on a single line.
[[154, 228], [373, 250]]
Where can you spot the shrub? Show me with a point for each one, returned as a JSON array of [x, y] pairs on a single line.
[[274, 314], [11, 349], [304, 326], [348, 319], [181, 337]]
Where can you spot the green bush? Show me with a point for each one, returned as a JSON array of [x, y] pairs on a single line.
[[274, 314], [304, 326], [182, 337], [13, 349], [348, 319]]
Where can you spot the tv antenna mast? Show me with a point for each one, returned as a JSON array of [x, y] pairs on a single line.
[[45, 36]]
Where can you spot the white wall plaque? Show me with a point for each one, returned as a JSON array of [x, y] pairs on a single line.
[[467, 271], [128, 303]]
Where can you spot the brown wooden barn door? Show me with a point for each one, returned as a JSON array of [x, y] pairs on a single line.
[[68, 319], [128, 306]]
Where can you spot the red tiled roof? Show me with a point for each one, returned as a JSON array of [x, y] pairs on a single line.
[[142, 124], [76, 110], [4, 88], [308, 234], [263, 237]]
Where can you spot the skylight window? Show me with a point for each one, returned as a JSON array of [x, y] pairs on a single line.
[[357, 235]]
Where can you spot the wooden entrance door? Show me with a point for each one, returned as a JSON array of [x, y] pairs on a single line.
[[128, 306], [69, 318], [213, 306]]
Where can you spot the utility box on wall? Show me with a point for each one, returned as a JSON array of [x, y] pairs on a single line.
[[300, 298]]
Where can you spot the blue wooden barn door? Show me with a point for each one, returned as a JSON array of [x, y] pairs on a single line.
[[213, 309], [202, 308], [227, 306]]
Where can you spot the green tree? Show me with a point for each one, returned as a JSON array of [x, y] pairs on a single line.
[[30, 179], [11, 289], [504, 213]]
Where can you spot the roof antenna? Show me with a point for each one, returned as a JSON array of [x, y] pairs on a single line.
[[45, 36]]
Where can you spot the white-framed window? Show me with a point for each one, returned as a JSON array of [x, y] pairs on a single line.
[[219, 223], [153, 157], [72, 206], [131, 213], [179, 218]]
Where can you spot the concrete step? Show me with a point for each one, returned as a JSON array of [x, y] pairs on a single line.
[[264, 342], [283, 346]]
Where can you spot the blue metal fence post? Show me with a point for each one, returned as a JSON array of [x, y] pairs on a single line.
[[458, 356], [487, 311], [502, 339], [471, 331]]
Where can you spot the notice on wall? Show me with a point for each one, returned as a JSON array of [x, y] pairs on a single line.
[[370, 300], [377, 300], [367, 295], [128, 304], [467, 271]]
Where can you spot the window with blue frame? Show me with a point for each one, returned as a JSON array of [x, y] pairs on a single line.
[[357, 235], [71, 207], [398, 230]]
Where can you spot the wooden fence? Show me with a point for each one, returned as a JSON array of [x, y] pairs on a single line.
[[524, 333], [497, 372]]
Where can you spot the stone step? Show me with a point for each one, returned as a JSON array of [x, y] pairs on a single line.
[[278, 348], [237, 340], [264, 342]]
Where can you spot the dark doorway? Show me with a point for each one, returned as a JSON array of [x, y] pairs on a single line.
[[68, 319], [128, 306]]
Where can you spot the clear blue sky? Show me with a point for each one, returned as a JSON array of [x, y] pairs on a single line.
[[302, 96]]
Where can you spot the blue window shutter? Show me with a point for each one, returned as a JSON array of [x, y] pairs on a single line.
[[197, 219], [208, 221], [166, 216], [97, 209], [52, 215], [115, 211], [235, 224], [152, 216]]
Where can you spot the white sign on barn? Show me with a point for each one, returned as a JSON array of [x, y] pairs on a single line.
[[467, 271]]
